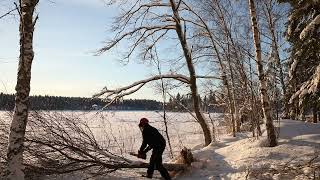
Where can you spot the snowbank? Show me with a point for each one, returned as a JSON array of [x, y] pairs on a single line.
[[241, 158]]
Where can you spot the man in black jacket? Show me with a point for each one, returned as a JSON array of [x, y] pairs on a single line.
[[157, 143]]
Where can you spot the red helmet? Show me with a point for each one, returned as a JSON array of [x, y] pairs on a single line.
[[143, 121]]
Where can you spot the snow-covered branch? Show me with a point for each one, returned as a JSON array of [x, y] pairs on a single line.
[[115, 94], [310, 28], [309, 87], [126, 90]]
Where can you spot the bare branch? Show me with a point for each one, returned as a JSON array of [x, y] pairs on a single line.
[[8, 13], [209, 77], [144, 30], [139, 84]]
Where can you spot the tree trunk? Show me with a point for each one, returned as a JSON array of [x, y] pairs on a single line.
[[193, 80], [226, 84], [164, 104], [255, 120], [19, 121], [272, 139], [315, 113], [229, 37], [277, 54], [234, 110], [223, 69]]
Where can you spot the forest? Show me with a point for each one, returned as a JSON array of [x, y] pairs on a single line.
[[78, 103], [239, 83], [180, 103]]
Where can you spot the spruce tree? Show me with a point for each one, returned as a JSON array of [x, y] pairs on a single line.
[[303, 35]]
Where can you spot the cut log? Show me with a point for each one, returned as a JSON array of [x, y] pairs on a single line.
[[181, 163], [168, 166], [186, 156]]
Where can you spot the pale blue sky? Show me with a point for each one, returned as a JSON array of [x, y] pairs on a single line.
[[66, 34]]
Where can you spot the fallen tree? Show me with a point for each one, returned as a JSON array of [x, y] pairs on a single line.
[[57, 144]]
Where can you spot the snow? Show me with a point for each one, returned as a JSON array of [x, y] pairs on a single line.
[[231, 158], [308, 87], [310, 28], [228, 158]]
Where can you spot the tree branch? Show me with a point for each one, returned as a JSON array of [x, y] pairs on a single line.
[[8, 13], [139, 84]]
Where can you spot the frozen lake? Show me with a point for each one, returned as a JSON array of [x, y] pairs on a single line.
[[119, 130]]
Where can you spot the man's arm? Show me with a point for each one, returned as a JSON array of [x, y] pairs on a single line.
[[143, 146], [144, 143]]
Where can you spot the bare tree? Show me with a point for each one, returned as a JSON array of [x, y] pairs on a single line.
[[206, 33], [19, 120], [193, 81], [145, 19], [272, 139], [273, 16]]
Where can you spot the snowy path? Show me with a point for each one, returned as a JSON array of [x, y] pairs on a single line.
[[232, 157]]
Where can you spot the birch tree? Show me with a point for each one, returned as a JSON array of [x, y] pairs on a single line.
[[193, 81], [272, 140], [219, 24], [19, 120], [272, 19], [203, 31], [141, 20]]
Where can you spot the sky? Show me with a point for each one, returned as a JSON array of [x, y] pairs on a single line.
[[67, 34]]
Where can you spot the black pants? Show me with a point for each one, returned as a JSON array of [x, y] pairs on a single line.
[[156, 162]]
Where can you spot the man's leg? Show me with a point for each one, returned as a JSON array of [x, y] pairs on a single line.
[[151, 165], [163, 171]]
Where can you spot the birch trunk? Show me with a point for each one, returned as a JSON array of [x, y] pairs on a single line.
[[229, 38], [263, 84], [275, 47], [233, 106], [19, 121], [225, 80], [193, 80]]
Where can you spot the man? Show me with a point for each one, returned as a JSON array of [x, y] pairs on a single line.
[[157, 143]]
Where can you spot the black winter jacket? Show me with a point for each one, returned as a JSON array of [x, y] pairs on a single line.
[[153, 138]]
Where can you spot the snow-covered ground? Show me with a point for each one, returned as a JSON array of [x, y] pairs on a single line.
[[120, 128], [233, 158], [230, 158]]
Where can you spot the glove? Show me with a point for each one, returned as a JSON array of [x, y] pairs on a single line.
[[142, 155]]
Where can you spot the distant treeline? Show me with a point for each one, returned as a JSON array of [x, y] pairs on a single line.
[[78, 103], [181, 103]]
